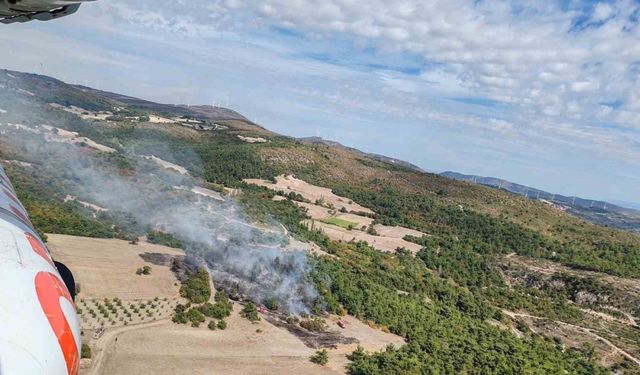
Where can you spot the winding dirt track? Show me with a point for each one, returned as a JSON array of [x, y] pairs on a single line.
[[104, 346], [585, 330]]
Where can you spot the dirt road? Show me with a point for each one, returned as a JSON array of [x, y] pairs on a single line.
[[585, 330]]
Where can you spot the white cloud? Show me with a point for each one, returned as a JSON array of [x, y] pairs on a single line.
[[552, 77], [502, 53], [602, 11], [505, 54]]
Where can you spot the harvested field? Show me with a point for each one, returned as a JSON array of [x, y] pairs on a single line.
[[136, 310], [208, 193], [85, 114], [387, 244], [243, 348], [397, 232], [239, 350], [371, 339], [336, 224], [311, 192], [106, 268], [167, 165], [57, 135], [19, 163], [54, 134], [160, 120], [313, 210], [321, 213]]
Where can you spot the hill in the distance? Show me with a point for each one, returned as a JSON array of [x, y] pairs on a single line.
[[600, 212], [378, 157]]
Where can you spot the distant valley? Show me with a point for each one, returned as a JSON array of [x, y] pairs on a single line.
[[600, 212]]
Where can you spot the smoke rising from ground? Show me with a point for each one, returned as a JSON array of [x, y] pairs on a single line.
[[236, 252]]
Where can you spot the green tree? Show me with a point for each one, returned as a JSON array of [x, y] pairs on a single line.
[[197, 288], [195, 317], [86, 351], [222, 324], [321, 357], [250, 312]]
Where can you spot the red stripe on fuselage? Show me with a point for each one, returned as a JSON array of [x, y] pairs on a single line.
[[50, 289], [39, 248]]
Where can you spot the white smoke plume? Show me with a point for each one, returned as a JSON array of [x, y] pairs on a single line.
[[236, 251]]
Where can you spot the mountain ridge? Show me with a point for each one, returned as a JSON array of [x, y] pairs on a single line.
[[601, 212]]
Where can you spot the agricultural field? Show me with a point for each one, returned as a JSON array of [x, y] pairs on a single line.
[[106, 268], [244, 348], [149, 343], [342, 223]]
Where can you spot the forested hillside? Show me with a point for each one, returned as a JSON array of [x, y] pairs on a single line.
[[492, 267]]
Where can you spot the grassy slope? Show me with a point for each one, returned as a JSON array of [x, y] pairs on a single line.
[[350, 174]]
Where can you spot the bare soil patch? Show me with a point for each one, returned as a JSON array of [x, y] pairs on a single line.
[[167, 165], [106, 268], [242, 349], [387, 244], [397, 232], [311, 192], [386, 238]]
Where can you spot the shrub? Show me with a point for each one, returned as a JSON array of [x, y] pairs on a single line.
[[165, 239], [321, 357], [179, 316], [272, 304], [222, 324], [313, 325], [250, 312], [85, 352], [195, 317], [212, 325]]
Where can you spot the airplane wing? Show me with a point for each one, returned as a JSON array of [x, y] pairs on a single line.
[[39, 327], [20, 11]]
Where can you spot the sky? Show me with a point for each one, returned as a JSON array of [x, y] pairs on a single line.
[[543, 93]]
